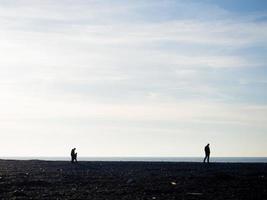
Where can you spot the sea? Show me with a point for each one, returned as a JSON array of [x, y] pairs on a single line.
[[150, 159]]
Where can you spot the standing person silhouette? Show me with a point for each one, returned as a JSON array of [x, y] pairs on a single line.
[[207, 153], [73, 156]]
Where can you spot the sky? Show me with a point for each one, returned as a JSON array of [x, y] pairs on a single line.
[[133, 77]]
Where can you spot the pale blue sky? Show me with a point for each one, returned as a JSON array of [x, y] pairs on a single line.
[[133, 78]]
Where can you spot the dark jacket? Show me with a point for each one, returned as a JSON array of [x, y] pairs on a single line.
[[207, 149]]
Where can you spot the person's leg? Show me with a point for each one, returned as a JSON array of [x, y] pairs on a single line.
[[72, 159], [208, 158], [75, 157], [205, 158]]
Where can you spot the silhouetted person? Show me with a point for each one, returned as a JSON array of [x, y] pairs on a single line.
[[207, 153], [73, 155]]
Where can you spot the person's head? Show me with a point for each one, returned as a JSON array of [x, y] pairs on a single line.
[[208, 144]]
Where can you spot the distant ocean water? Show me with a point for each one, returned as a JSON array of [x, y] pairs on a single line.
[[151, 159]]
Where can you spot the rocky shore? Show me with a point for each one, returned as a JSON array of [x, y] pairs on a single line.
[[37, 179]]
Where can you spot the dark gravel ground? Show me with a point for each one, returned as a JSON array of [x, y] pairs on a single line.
[[131, 180]]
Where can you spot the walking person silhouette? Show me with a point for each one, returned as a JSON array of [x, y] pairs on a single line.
[[207, 153], [73, 156]]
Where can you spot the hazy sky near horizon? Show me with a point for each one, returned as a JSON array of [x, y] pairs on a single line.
[[133, 78]]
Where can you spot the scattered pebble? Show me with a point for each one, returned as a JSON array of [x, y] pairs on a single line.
[[195, 193], [173, 183], [19, 193], [129, 181]]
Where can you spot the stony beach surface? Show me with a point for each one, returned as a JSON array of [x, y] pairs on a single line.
[[37, 179]]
